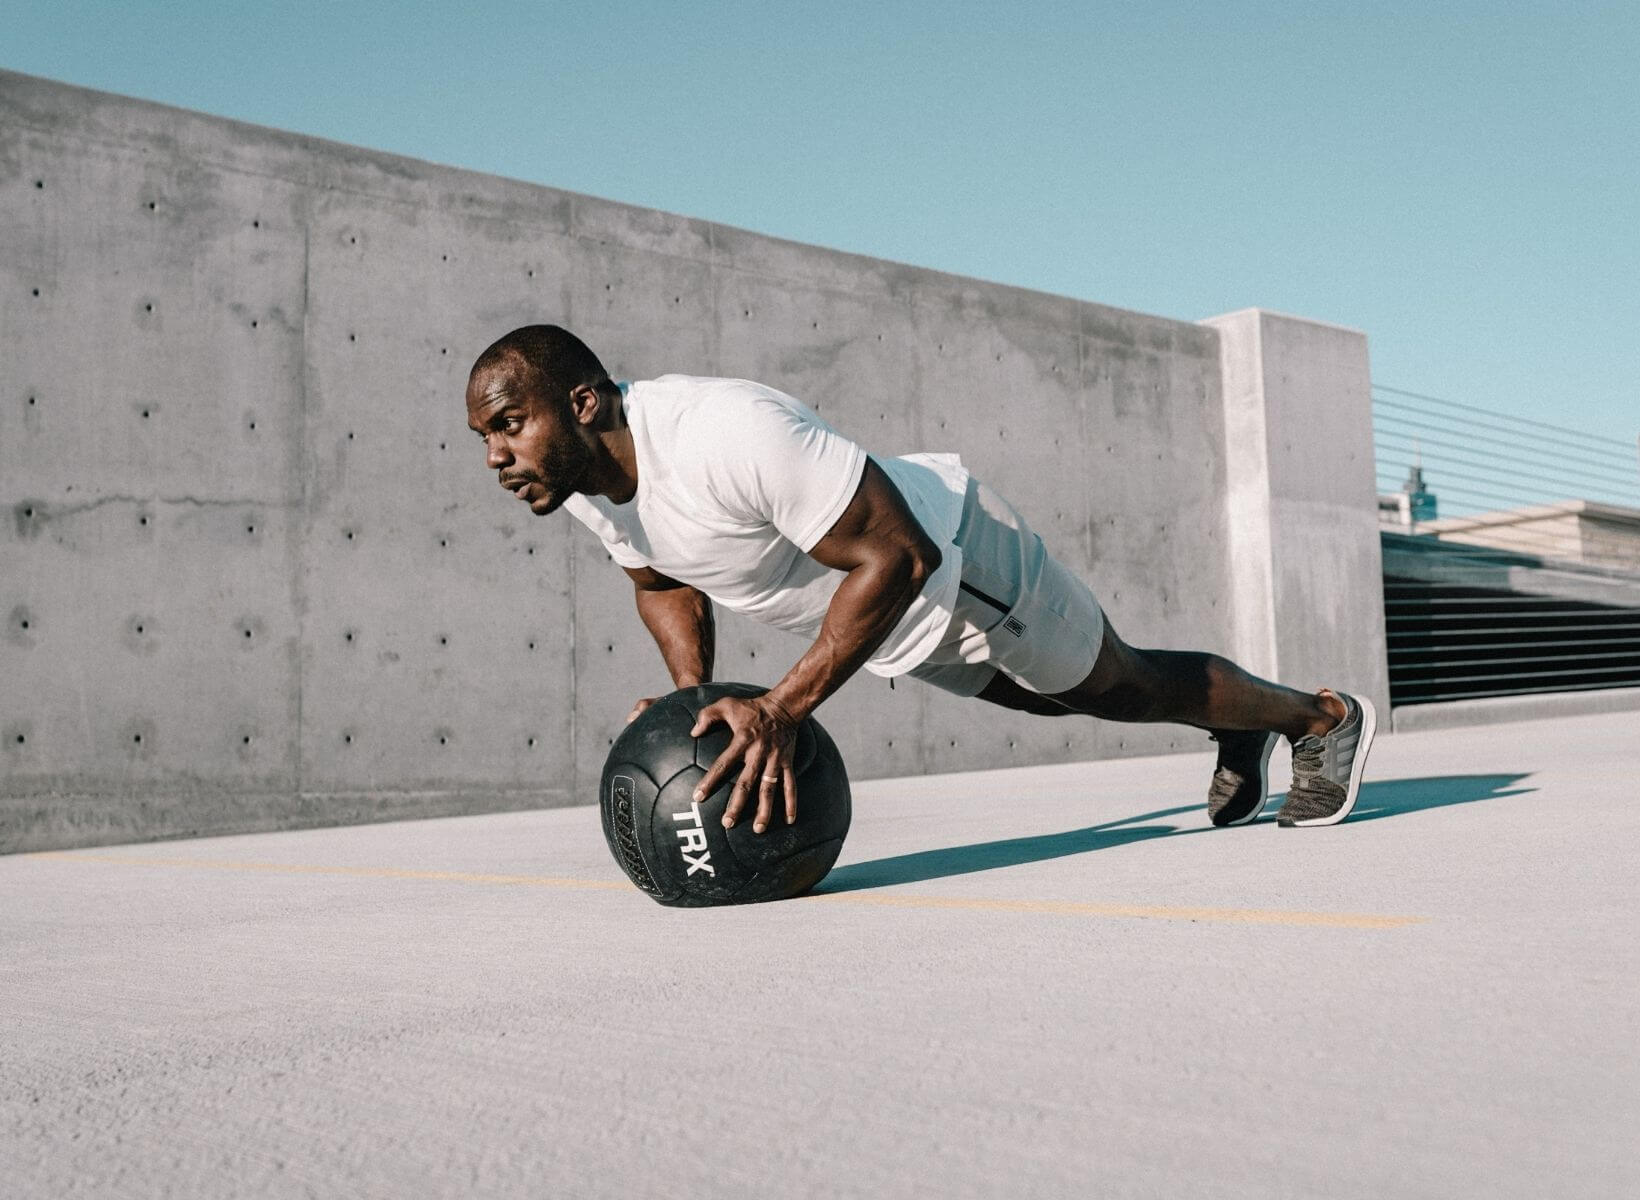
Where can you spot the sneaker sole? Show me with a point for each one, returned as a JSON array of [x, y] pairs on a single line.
[[1263, 785], [1369, 727]]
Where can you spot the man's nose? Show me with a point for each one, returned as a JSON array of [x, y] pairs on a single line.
[[496, 454]]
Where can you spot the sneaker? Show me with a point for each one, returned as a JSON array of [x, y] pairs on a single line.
[[1327, 769], [1241, 781]]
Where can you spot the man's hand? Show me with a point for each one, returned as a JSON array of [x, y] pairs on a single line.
[[639, 707], [764, 734]]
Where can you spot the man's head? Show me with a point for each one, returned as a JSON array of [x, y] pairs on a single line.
[[540, 398]]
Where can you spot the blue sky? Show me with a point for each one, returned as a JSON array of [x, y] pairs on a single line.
[[1460, 180]]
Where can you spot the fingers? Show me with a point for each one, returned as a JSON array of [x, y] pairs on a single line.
[[709, 716], [745, 788], [761, 750], [638, 708], [706, 718], [769, 787], [720, 767], [766, 778]]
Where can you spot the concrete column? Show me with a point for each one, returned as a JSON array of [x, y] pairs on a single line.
[[1301, 500]]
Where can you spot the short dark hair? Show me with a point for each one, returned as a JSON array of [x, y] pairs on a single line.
[[555, 362]]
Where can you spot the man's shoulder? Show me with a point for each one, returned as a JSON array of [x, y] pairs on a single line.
[[683, 389], [682, 407]]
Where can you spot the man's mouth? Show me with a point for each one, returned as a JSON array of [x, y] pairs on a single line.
[[528, 490]]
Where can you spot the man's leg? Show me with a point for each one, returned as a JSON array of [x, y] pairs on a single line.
[[1192, 688], [1189, 687], [1045, 628], [1004, 691]]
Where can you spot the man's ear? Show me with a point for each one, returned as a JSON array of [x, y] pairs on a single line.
[[585, 404]]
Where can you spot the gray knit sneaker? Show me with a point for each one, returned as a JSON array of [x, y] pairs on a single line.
[[1241, 780], [1327, 769]]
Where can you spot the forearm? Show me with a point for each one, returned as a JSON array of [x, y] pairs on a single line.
[[680, 620], [864, 611]]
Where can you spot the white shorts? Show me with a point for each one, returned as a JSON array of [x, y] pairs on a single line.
[[1020, 610]]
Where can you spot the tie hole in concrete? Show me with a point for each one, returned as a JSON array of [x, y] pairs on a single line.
[[141, 738]]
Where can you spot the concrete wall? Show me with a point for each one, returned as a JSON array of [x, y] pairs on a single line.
[[1302, 501], [256, 576]]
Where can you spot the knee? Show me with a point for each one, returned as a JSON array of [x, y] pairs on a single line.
[[1039, 705], [1005, 692], [1125, 685]]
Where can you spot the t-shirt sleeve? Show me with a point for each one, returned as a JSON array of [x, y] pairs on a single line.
[[618, 548], [624, 555], [766, 461]]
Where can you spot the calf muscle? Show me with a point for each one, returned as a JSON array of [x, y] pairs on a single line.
[[1189, 687]]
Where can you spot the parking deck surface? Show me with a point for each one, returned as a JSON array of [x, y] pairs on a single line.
[[1055, 981]]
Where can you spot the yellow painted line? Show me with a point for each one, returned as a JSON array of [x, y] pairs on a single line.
[[1061, 908], [209, 864], [1158, 912]]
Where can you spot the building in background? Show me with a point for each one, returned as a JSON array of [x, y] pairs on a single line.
[[1580, 531]]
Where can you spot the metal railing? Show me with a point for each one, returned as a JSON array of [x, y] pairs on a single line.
[[1511, 552]]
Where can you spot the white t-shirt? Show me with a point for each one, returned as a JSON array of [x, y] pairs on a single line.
[[736, 482]]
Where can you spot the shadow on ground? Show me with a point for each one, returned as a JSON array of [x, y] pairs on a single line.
[[1378, 799]]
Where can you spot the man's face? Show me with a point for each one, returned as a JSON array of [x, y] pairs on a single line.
[[534, 446]]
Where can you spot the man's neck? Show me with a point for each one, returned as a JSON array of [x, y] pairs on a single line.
[[623, 459]]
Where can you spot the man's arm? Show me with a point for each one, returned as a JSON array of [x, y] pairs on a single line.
[[888, 556], [680, 619]]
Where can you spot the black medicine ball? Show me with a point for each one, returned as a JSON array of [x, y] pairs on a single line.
[[679, 852]]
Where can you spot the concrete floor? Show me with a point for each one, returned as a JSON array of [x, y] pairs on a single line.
[[1042, 982]]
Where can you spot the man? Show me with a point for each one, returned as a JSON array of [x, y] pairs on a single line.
[[722, 490]]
